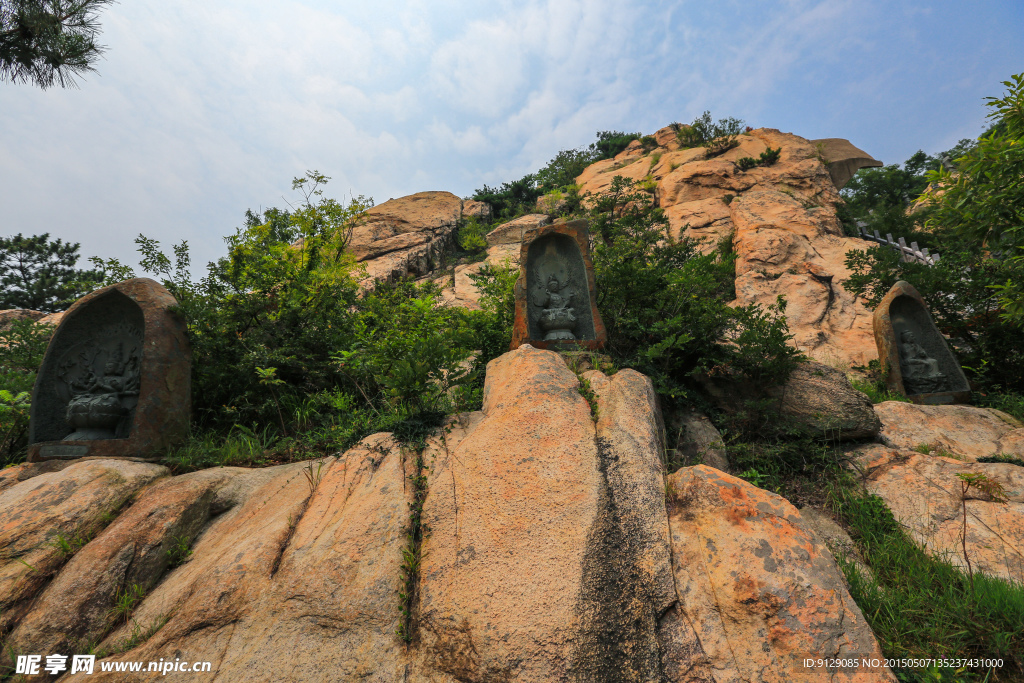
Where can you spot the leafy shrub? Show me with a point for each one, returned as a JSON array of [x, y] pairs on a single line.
[[471, 235], [663, 303], [610, 142], [769, 156], [985, 199], [717, 137], [492, 326], [511, 199], [563, 169], [746, 163], [408, 350], [22, 347]]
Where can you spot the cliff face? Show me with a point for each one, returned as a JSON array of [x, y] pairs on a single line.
[[780, 219], [551, 547]]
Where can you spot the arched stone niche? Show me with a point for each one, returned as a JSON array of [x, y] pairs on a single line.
[[115, 380], [556, 302], [916, 360]]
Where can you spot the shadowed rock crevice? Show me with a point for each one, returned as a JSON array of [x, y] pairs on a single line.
[[618, 640]]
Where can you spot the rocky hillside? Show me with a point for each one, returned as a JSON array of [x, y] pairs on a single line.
[[569, 530], [551, 547]]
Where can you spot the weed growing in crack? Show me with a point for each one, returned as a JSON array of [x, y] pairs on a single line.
[[179, 553], [989, 489], [587, 392], [411, 553], [125, 601], [314, 475]]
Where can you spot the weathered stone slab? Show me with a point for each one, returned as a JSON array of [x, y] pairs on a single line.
[[70, 505], [961, 432], [116, 377], [916, 360], [556, 298], [925, 495], [761, 591], [515, 230]]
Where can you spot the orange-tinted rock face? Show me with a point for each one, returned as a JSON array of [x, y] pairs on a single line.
[[762, 593], [965, 432], [781, 220], [547, 554], [72, 504], [406, 236], [926, 497]]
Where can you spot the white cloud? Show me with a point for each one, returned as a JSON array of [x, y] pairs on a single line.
[[202, 110]]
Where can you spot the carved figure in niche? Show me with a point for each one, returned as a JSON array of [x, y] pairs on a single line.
[[921, 373], [100, 381], [555, 296]]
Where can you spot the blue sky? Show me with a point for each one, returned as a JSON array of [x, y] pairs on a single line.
[[202, 109]]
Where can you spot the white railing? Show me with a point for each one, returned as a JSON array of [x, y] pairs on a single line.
[[910, 254]]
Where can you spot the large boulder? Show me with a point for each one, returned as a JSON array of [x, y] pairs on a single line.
[[925, 495], [547, 556], [696, 440], [763, 593], [513, 231], [301, 561], [959, 431], [544, 551], [821, 402], [406, 236], [781, 220], [816, 400]]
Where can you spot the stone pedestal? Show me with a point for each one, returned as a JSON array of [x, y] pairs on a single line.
[[115, 380]]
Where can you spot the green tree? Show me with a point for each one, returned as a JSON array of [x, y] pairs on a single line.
[[39, 274], [48, 41], [984, 198]]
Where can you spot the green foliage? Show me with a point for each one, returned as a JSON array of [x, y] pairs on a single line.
[[587, 392], [759, 343], [1010, 402], [961, 295], [717, 137], [924, 607], [126, 599], [984, 200], [69, 546], [873, 385], [511, 199], [746, 163], [769, 156], [179, 551], [22, 347], [40, 274], [409, 350], [1003, 458], [664, 304], [609, 143], [880, 197], [472, 235], [563, 169], [492, 326], [47, 41]]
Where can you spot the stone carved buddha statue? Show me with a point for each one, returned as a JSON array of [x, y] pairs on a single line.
[[921, 374], [100, 402], [557, 317]]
